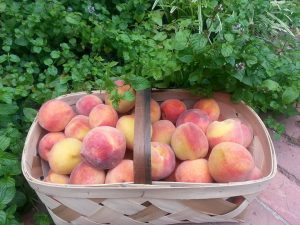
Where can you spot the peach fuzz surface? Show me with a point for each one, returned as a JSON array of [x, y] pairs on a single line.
[[84, 173], [86, 103], [104, 147], [56, 178], [123, 172], [210, 106], [230, 162], [189, 142], [47, 142], [162, 131], [171, 109], [78, 127], [162, 160], [54, 115], [103, 115]]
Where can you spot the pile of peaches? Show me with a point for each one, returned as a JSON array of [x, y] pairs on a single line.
[[92, 143]]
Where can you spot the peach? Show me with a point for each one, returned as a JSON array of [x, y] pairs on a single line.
[[210, 106], [86, 103], [124, 106], [54, 115], [194, 171], [255, 174], [171, 109], [126, 125], [78, 127], [84, 173], [195, 116], [189, 142], [155, 112], [162, 131], [123, 172], [247, 134], [162, 160], [47, 142], [171, 177], [56, 178], [227, 130], [104, 147], [230, 162], [103, 115], [236, 200], [65, 156]]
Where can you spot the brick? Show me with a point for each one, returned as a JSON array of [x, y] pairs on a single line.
[[282, 195], [288, 157], [292, 127]]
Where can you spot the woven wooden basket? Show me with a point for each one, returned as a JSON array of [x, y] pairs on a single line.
[[142, 202]]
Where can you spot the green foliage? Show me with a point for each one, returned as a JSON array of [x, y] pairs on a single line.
[[49, 48]]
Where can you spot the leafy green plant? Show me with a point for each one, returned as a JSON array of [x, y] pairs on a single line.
[[50, 48]]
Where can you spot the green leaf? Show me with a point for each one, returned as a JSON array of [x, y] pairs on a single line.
[[73, 18], [9, 165], [4, 142], [290, 95], [156, 17], [19, 199], [14, 58], [198, 42], [186, 59], [229, 37], [42, 219], [29, 114], [48, 61], [270, 85], [138, 83], [8, 109], [128, 96], [226, 50], [2, 7], [180, 41], [251, 60], [36, 49], [7, 191], [21, 41], [55, 54], [2, 217], [3, 58]]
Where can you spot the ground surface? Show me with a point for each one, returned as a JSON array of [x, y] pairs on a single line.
[[279, 203]]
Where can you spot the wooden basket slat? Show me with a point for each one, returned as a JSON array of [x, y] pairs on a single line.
[[170, 202]]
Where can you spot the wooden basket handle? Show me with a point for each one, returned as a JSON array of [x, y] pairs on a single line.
[[142, 138]]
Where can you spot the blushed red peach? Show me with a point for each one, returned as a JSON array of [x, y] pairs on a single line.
[[171, 177], [210, 106], [126, 125], [123, 172], [195, 116], [56, 178], [65, 155], [104, 147], [162, 160], [247, 134], [103, 115], [86, 103], [189, 142], [230, 162], [78, 127], [227, 130], [155, 112], [85, 173], [54, 115], [171, 109], [124, 106], [255, 174], [47, 142], [162, 131], [194, 171]]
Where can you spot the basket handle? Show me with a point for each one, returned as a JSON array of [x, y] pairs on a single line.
[[142, 138]]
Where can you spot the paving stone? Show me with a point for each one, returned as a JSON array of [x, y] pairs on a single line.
[[283, 195], [292, 127], [288, 157]]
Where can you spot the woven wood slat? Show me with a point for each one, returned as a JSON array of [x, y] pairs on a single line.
[[66, 213], [149, 213], [84, 221], [48, 201], [57, 220], [124, 206], [104, 215]]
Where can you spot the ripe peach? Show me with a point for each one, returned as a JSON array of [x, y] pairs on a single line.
[[236, 200], [65, 155], [155, 112], [126, 125], [78, 127], [103, 115], [56, 178], [171, 109], [123, 172], [171, 177], [230, 162], [162, 131], [247, 134], [255, 174], [195, 171], [54, 115], [84, 173], [47, 142], [162, 160], [227, 130], [104, 147], [124, 106], [86, 103], [210, 106], [195, 116], [189, 142]]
